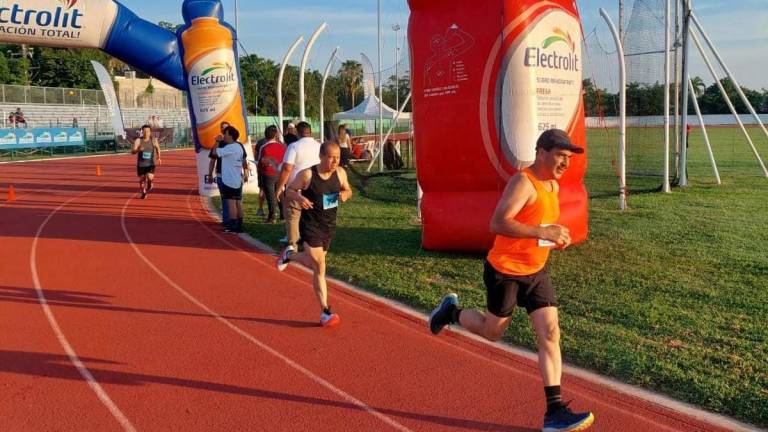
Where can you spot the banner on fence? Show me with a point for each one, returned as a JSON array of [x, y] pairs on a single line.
[[41, 138]]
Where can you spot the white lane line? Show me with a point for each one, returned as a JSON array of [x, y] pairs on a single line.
[[73, 358], [341, 393]]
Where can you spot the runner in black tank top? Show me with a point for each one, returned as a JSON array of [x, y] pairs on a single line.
[[319, 191], [318, 224], [147, 152]]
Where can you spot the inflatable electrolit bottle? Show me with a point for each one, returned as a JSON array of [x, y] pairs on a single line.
[[484, 89], [213, 77]]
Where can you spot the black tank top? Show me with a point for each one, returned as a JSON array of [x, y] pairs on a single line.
[[324, 195], [146, 155]]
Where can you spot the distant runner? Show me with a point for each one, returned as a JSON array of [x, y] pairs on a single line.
[[147, 150]]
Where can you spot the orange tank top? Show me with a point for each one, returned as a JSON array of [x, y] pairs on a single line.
[[524, 256]]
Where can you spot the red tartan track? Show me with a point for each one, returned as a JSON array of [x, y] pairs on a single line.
[[118, 313]]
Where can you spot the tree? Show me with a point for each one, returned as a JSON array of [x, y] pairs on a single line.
[[5, 71], [351, 74], [57, 67], [698, 86]]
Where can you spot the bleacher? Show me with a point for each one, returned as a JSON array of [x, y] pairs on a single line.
[[92, 117]]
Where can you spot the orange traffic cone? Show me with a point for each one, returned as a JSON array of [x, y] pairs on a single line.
[[98, 170], [11, 194]]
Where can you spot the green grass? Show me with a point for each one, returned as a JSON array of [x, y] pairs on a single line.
[[671, 295]]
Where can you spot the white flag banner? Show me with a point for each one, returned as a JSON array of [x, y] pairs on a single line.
[[108, 88]]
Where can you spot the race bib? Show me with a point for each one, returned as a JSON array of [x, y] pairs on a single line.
[[146, 155], [330, 201]]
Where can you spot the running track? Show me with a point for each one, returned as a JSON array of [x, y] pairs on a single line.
[[118, 313]]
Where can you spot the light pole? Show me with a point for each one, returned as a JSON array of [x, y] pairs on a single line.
[[396, 28]]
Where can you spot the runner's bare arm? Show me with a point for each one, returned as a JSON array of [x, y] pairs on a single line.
[[301, 182], [517, 193], [284, 174], [346, 190], [156, 144], [136, 146]]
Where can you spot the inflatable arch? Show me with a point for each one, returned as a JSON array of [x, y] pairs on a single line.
[[200, 58], [487, 78]]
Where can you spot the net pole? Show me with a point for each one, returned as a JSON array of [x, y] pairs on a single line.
[[667, 13], [704, 131], [728, 102], [622, 112], [677, 87], [728, 72], [682, 175]]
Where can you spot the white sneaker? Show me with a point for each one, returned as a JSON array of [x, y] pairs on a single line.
[[329, 320], [285, 257]]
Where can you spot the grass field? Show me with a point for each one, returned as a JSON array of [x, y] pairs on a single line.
[[671, 295]]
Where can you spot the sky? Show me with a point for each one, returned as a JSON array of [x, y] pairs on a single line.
[[267, 28]]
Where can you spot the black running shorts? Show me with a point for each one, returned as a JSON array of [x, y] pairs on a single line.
[[504, 292], [229, 193], [140, 171], [316, 237]]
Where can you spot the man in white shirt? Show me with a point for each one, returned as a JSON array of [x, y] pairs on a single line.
[[300, 155], [233, 175]]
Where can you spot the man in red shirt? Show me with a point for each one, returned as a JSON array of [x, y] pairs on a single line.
[[270, 157]]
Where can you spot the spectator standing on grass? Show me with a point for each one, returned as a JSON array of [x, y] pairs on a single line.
[[299, 156], [270, 159], [234, 173], [215, 165], [256, 150], [291, 134], [345, 142]]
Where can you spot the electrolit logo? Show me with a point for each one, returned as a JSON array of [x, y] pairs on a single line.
[[63, 17], [537, 57], [225, 74], [560, 35], [539, 84], [213, 85], [68, 3]]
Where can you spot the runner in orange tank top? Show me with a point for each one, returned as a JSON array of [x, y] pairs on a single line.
[[526, 229]]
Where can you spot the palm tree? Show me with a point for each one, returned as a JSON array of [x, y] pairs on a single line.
[[351, 73], [698, 86]]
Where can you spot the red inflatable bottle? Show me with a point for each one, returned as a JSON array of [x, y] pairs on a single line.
[[487, 79]]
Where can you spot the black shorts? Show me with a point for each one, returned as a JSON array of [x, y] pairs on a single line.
[[140, 171], [316, 237], [504, 292], [229, 193]]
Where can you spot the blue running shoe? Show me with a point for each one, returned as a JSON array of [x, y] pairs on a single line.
[[441, 316], [565, 420]]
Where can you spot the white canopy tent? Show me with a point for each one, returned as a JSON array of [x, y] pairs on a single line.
[[368, 109]]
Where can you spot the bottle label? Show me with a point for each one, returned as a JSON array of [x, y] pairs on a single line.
[[540, 84], [213, 85]]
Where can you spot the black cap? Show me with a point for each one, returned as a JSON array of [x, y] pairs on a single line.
[[557, 138]]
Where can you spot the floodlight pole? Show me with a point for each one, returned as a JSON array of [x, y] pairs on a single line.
[[622, 112], [728, 72], [728, 102], [322, 93], [381, 94], [704, 131], [304, 59], [280, 83], [667, 13]]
